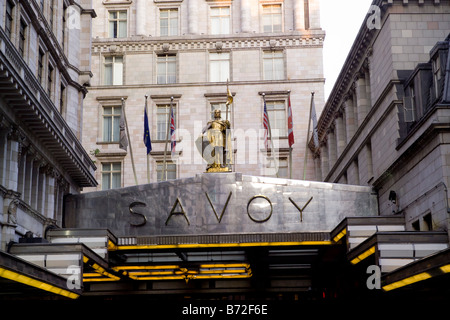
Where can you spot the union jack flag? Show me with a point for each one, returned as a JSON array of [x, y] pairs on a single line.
[[173, 138], [266, 126]]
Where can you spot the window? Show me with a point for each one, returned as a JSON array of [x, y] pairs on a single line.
[[111, 175], [168, 19], [111, 119], [272, 18], [41, 4], [62, 99], [219, 67], [50, 18], [428, 222], [220, 20], [63, 29], [277, 117], [410, 106], [437, 76], [117, 24], [273, 64], [283, 171], [223, 110], [113, 70], [171, 171], [22, 31], [40, 65], [166, 68], [277, 167], [162, 119], [50, 80], [9, 18]]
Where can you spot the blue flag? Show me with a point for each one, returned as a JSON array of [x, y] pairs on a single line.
[[147, 140]]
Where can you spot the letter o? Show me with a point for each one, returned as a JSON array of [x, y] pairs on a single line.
[[258, 220]]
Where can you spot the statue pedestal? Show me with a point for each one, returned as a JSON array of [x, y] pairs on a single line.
[[218, 169]]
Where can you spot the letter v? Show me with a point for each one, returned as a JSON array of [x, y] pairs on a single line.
[[223, 210]]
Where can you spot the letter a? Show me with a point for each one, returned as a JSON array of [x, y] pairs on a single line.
[[182, 212], [373, 281], [374, 20]]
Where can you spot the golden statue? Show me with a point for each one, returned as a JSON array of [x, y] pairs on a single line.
[[215, 145]]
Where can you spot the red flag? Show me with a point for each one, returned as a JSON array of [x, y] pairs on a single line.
[[290, 124]]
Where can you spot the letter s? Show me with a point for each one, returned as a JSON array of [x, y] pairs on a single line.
[[144, 218]]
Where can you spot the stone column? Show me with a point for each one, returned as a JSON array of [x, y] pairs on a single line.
[[349, 117], [22, 164], [317, 166], [26, 196], [3, 155], [193, 16], [332, 150], [246, 16], [140, 17], [12, 158], [42, 191], [50, 197], [340, 134], [299, 15], [361, 97], [324, 160], [35, 184]]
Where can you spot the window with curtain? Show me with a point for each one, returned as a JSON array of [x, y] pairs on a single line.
[[168, 22], [111, 175], [111, 119], [273, 64], [162, 119], [113, 70], [171, 171], [277, 117], [166, 68], [117, 24], [220, 20], [272, 18], [219, 67]]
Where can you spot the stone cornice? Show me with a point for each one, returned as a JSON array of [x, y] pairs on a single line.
[[206, 42]]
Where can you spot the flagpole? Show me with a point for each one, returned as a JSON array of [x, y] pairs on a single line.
[[167, 141], [129, 142], [270, 132], [307, 136], [148, 155], [290, 147]]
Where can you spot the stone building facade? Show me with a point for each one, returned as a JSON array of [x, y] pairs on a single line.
[[44, 69], [188, 50], [385, 123]]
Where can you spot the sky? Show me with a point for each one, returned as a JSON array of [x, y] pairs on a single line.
[[341, 21]]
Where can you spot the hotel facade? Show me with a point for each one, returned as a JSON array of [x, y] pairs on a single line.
[[188, 50], [374, 228]]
